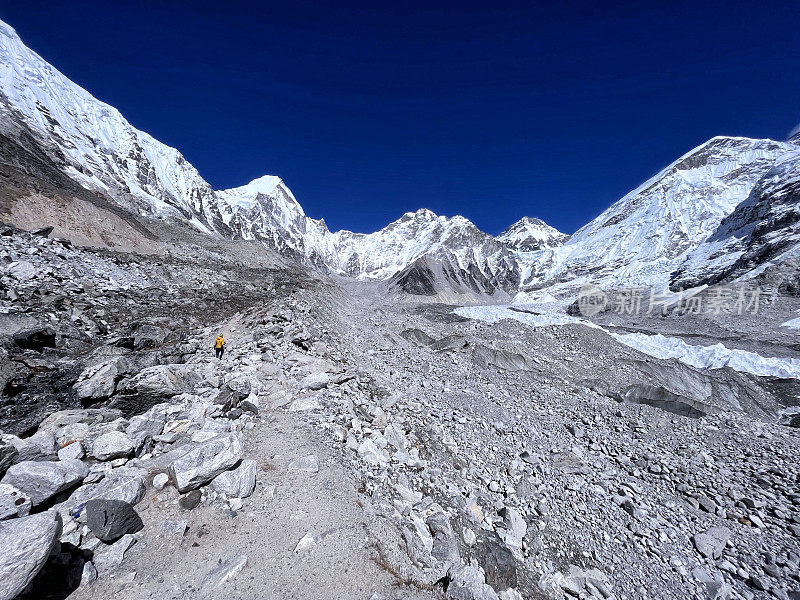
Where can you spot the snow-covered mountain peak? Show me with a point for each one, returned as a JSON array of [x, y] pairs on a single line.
[[265, 184], [421, 215], [530, 234], [645, 236], [641, 239]]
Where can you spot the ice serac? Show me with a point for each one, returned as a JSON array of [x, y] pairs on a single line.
[[647, 235], [530, 234]]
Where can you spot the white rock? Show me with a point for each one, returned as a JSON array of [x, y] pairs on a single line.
[[22, 270], [160, 480], [239, 482], [306, 542], [303, 404], [469, 537], [111, 558], [372, 454], [223, 572], [113, 444], [314, 381], [174, 527], [203, 436], [73, 450], [308, 464], [205, 461], [514, 532], [89, 573], [97, 381], [468, 583]]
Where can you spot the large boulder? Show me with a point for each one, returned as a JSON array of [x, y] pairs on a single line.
[[109, 520], [40, 446], [314, 381], [205, 461], [40, 481], [237, 483], [468, 583], [22, 270], [69, 416], [107, 561], [27, 543], [711, 542], [149, 424], [166, 381], [97, 381], [113, 444]]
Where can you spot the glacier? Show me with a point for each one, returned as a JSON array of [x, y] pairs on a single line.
[[715, 356]]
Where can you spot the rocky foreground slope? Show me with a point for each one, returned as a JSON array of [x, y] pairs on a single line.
[[349, 447]]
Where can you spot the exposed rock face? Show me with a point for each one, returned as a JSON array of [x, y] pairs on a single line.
[[763, 229], [648, 234], [641, 239]]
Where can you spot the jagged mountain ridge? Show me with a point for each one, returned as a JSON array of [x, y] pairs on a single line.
[[97, 148], [640, 240], [648, 234]]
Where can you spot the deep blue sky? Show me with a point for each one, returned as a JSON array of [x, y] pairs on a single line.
[[489, 110]]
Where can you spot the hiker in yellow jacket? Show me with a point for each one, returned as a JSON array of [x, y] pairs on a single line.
[[219, 346]]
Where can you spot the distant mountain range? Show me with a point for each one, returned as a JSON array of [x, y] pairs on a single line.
[[725, 209]]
